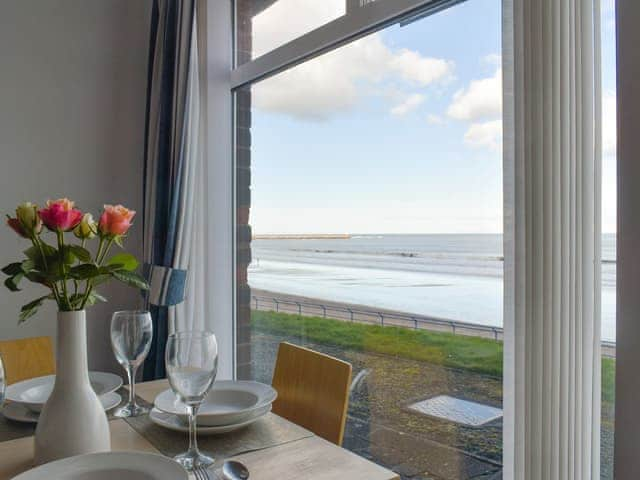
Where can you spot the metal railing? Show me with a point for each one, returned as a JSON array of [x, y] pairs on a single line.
[[365, 315], [386, 318]]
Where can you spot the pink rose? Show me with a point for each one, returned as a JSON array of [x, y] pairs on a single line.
[[60, 215], [115, 220], [16, 226]]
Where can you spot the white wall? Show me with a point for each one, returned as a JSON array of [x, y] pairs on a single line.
[[72, 101]]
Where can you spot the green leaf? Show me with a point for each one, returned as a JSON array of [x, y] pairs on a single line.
[[98, 297], [83, 271], [68, 256], [12, 282], [131, 278], [127, 261], [12, 269], [31, 308], [80, 253], [118, 239], [107, 269], [28, 265], [33, 254], [38, 277], [100, 279]]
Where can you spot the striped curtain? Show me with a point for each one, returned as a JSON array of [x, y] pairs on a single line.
[[168, 168], [552, 239]]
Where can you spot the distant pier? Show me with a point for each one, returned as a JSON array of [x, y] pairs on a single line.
[[304, 236]]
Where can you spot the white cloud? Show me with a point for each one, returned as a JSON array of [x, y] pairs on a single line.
[[609, 124], [409, 104], [485, 135], [481, 99], [493, 59], [415, 68], [433, 119], [334, 82]]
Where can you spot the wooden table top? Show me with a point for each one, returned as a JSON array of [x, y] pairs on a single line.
[[311, 458]]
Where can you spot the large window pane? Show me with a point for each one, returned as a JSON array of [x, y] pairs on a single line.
[[369, 228]]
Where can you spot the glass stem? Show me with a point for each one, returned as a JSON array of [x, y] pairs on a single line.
[[131, 373], [193, 437]]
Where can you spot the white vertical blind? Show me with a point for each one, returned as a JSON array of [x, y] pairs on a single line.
[[552, 240]]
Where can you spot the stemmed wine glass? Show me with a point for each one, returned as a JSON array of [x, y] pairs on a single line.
[[192, 365], [131, 333]]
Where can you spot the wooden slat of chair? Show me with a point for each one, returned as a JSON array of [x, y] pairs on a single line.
[[313, 390], [27, 358]]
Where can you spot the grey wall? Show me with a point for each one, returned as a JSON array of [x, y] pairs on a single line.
[[627, 428], [72, 101]]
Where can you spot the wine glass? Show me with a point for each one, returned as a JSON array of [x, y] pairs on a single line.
[[131, 333], [192, 365]]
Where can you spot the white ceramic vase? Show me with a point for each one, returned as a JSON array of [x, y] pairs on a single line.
[[73, 421]]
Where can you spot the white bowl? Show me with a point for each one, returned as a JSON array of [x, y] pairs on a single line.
[[19, 412], [33, 393], [173, 422], [227, 403], [109, 466]]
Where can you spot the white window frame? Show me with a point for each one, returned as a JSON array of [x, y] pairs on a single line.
[[356, 23]]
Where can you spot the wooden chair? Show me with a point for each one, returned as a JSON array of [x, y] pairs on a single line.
[[313, 390], [27, 358]]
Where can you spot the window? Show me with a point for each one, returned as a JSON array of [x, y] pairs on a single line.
[[369, 218], [369, 210]]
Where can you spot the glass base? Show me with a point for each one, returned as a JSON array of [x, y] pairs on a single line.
[[130, 410], [191, 460]]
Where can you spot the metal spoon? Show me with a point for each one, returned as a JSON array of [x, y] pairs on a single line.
[[233, 470]]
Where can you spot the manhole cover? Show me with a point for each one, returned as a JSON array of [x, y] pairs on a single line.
[[457, 410]]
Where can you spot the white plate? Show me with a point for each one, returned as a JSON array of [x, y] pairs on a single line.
[[227, 403], [173, 422], [20, 413], [33, 393], [107, 466]]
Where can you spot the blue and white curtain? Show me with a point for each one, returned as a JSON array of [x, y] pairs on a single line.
[[172, 177]]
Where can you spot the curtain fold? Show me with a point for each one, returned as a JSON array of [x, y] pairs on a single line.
[[552, 240], [168, 168]]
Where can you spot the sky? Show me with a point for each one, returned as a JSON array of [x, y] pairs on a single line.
[[398, 132]]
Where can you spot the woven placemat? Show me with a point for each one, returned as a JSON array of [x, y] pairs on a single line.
[[267, 432]]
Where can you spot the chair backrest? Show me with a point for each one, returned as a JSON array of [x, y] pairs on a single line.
[[27, 358], [313, 390]]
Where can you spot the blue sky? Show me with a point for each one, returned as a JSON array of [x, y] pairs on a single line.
[[397, 133]]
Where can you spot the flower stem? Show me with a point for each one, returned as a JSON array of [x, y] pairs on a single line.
[[99, 259], [63, 273], [38, 243]]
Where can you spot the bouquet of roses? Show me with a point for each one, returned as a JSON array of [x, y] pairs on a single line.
[[70, 270]]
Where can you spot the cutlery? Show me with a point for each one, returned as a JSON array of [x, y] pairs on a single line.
[[233, 470], [201, 473]]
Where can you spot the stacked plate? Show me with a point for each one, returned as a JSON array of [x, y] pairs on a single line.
[[109, 465], [229, 406], [26, 398]]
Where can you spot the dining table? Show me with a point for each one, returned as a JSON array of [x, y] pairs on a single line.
[[272, 448]]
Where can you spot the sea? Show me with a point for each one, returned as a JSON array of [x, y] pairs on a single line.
[[452, 276]]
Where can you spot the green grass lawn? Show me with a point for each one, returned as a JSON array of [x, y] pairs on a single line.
[[476, 354]]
